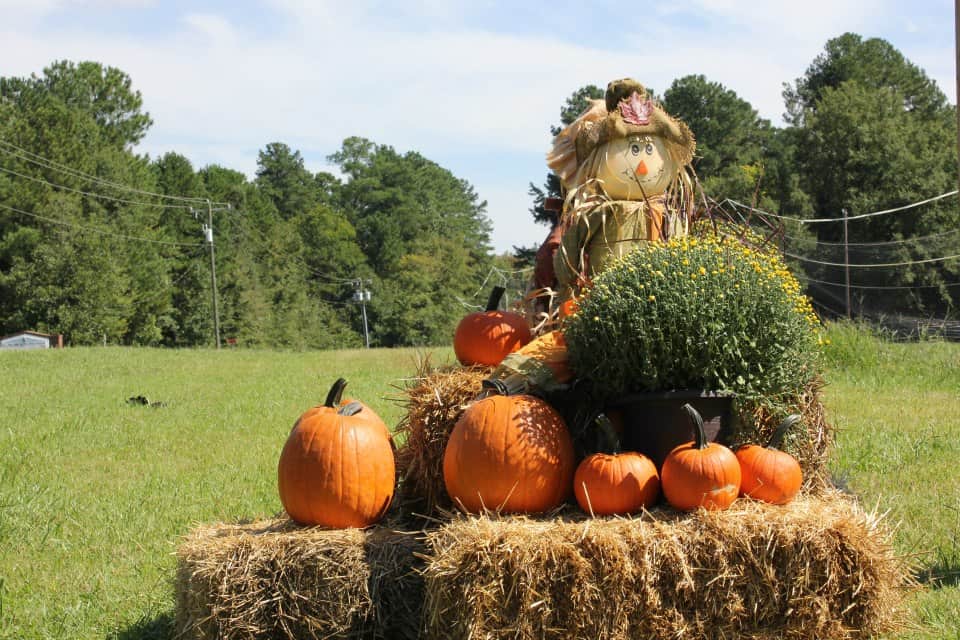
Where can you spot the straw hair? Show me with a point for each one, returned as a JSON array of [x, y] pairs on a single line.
[[818, 568], [435, 399], [275, 579]]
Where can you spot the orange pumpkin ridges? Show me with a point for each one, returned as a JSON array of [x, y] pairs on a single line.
[[487, 337], [700, 473], [769, 474], [509, 453], [337, 466], [615, 483]]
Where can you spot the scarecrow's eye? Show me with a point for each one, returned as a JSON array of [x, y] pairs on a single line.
[[649, 149], [635, 148]]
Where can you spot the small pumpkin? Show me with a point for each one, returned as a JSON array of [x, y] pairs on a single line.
[[769, 474], [487, 337], [700, 473], [337, 466], [615, 483], [508, 453]]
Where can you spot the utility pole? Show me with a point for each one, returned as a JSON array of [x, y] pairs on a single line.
[[208, 233], [362, 296], [846, 257], [956, 50]]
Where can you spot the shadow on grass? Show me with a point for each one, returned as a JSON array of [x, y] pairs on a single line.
[[160, 627], [939, 575]]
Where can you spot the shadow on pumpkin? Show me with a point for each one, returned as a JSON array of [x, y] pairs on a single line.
[[160, 627]]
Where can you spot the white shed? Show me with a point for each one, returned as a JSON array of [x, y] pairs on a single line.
[[30, 340]]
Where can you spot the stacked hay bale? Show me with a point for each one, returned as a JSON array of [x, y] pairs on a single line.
[[276, 579], [818, 568]]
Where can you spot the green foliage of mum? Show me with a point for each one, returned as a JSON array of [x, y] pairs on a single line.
[[706, 313]]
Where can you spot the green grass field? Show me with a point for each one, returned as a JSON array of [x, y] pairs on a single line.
[[95, 492]]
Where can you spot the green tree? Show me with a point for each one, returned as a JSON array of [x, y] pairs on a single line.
[[873, 62], [282, 177], [424, 233], [874, 133], [733, 141]]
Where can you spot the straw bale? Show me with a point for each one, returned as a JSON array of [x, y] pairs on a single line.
[[275, 579], [435, 400], [818, 568]]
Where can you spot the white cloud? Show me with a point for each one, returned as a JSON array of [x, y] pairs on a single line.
[[219, 90]]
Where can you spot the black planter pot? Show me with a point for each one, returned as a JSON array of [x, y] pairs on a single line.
[[654, 423]]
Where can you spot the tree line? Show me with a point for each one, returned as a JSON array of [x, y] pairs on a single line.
[[99, 243], [865, 130]]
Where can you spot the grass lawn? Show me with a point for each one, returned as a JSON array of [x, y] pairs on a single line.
[[95, 492]]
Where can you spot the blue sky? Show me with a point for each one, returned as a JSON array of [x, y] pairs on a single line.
[[473, 86]]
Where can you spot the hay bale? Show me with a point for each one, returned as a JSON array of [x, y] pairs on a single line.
[[435, 400], [819, 568], [275, 579]]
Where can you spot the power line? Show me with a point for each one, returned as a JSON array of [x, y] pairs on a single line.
[[865, 266], [857, 217], [100, 231], [96, 195], [39, 160], [885, 243], [881, 287], [244, 229]]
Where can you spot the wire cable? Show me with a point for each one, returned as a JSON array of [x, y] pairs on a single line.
[[857, 217], [96, 195], [29, 156], [100, 231], [865, 266], [881, 287]]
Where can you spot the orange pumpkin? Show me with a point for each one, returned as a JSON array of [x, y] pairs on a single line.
[[337, 467], [487, 337], [769, 474], [509, 453], [615, 483], [700, 473]]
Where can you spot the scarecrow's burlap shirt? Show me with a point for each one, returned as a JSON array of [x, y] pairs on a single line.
[[601, 232]]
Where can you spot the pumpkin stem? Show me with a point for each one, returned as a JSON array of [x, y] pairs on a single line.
[[350, 409], [700, 438], [497, 387], [776, 440], [608, 434], [510, 386], [336, 392], [493, 302]]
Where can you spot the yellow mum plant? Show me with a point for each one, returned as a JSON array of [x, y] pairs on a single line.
[[710, 313]]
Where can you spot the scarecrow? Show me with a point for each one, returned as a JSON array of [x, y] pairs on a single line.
[[624, 166]]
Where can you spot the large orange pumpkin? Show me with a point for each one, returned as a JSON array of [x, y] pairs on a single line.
[[487, 337], [337, 467], [769, 474], [511, 454], [700, 473]]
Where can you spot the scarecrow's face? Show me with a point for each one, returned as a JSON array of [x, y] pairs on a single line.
[[636, 166]]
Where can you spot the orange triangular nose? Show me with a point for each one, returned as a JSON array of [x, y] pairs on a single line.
[[641, 168]]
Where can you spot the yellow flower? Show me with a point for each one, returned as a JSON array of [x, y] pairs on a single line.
[[652, 298]]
